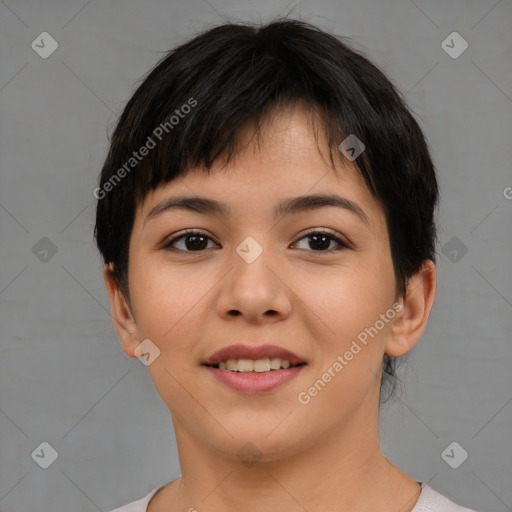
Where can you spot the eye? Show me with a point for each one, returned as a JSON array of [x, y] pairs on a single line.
[[321, 239], [194, 241]]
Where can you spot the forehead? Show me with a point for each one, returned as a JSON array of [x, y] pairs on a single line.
[[288, 159]]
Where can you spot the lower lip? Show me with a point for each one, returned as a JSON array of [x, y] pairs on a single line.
[[254, 382]]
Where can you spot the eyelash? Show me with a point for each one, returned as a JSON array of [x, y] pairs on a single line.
[[318, 231]]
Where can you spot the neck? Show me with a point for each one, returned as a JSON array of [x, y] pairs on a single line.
[[346, 470]]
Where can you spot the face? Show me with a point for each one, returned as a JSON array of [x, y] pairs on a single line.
[[311, 281]]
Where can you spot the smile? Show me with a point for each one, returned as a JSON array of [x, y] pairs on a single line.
[[266, 364], [249, 381]]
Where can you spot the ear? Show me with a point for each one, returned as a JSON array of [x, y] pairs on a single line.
[[410, 323], [124, 321]]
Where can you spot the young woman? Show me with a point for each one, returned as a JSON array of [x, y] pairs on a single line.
[[266, 218]]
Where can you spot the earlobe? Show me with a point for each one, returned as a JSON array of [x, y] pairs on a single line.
[[409, 325], [124, 323]]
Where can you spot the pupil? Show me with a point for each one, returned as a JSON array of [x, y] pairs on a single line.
[[316, 237], [196, 244]]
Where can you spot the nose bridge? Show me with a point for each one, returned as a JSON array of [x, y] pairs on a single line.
[[252, 260], [250, 249]]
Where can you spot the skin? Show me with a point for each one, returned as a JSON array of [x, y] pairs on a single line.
[[321, 456]]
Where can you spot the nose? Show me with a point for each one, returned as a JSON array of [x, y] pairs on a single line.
[[256, 287]]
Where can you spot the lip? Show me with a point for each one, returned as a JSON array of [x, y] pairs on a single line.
[[252, 352], [254, 383]]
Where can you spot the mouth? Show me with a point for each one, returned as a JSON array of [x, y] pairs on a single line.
[[249, 358], [254, 369], [255, 366]]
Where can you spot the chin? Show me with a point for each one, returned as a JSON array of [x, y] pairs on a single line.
[[248, 445]]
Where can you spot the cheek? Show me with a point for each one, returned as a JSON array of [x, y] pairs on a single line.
[[347, 324], [164, 300], [168, 306], [350, 341], [346, 300]]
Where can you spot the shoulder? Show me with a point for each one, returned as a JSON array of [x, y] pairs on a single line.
[[137, 506], [432, 501]]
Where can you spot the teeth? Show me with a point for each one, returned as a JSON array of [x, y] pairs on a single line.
[[275, 363], [245, 365], [258, 365]]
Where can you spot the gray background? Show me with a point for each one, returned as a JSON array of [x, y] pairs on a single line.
[[63, 376]]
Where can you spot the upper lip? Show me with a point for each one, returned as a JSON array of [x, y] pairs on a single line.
[[252, 352]]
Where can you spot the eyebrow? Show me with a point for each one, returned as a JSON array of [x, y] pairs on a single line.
[[294, 205]]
